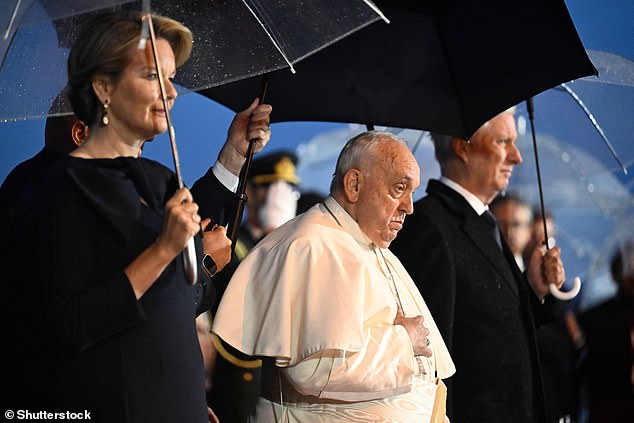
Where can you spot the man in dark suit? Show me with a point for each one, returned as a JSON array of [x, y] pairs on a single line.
[[486, 309]]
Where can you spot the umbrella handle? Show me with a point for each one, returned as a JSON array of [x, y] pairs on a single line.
[[568, 295]]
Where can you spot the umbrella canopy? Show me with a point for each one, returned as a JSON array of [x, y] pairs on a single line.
[[28, 12], [590, 113], [32, 48], [318, 156], [233, 39], [611, 78], [446, 66], [593, 212], [588, 208]]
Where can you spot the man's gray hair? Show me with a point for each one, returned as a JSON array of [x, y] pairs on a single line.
[[355, 150], [442, 143]]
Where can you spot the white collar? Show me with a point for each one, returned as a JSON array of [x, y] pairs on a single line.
[[474, 201], [346, 221]]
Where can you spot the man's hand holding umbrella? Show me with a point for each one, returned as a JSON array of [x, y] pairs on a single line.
[[545, 268], [251, 124]]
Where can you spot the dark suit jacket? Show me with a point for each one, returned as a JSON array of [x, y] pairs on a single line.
[[483, 306]]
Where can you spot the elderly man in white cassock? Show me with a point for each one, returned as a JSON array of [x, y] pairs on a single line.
[[341, 327]]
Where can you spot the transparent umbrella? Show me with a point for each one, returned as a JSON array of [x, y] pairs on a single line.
[[593, 113], [616, 83], [588, 207], [318, 156], [233, 39]]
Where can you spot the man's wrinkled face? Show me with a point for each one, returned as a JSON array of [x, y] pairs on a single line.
[[390, 177]]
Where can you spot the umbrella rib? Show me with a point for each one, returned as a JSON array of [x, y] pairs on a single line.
[[275, 44], [420, 138], [13, 16], [377, 11], [595, 124]]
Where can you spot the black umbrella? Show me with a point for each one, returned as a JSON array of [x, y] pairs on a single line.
[[445, 66]]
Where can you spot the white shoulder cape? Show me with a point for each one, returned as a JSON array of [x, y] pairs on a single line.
[[307, 287]]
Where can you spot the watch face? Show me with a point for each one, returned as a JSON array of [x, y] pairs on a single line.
[[209, 264]]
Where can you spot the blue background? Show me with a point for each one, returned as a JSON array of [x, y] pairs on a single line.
[[201, 126]]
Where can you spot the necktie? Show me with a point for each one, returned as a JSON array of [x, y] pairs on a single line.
[[488, 217]]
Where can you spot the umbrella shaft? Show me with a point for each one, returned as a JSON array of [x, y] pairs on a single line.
[[242, 197], [161, 81], [244, 176], [531, 118]]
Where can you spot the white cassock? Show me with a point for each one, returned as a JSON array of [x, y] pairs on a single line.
[[318, 297]]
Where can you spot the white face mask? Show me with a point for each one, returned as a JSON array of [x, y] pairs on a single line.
[[279, 207]]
